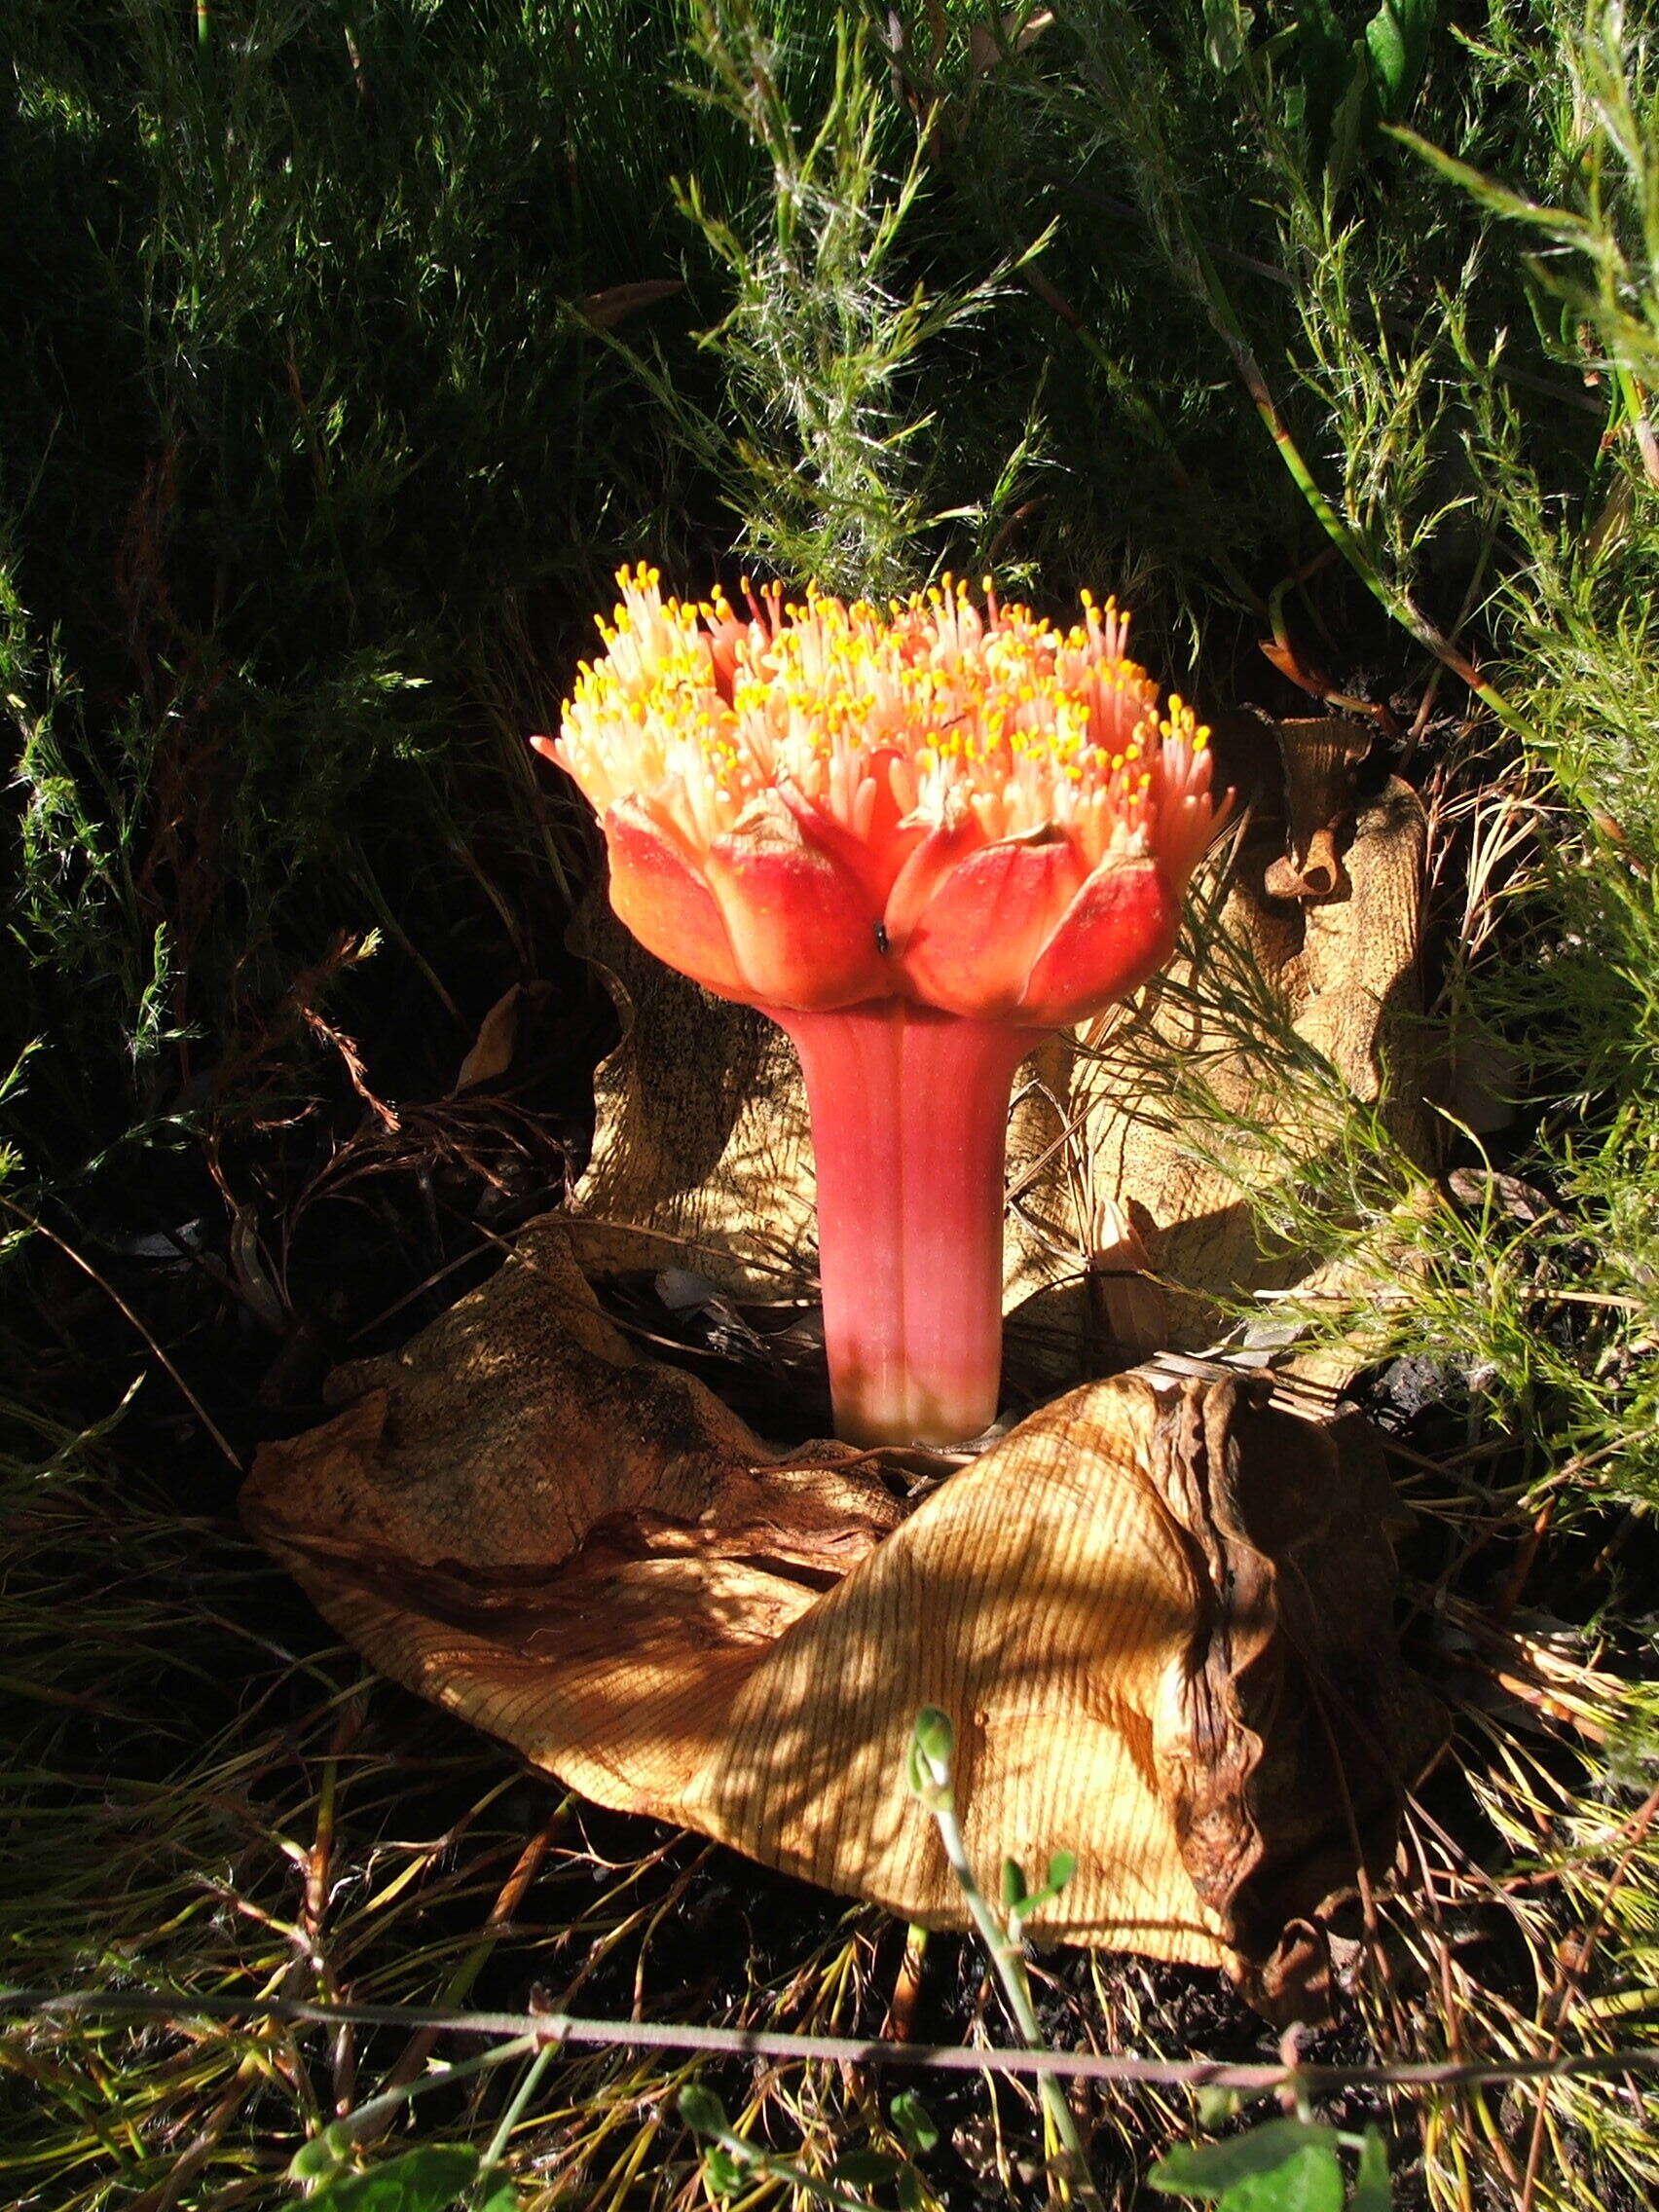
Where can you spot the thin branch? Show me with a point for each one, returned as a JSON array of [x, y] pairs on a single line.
[[847, 2050], [114, 1296]]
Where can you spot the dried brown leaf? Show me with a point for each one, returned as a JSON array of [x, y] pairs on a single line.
[[606, 310], [1157, 1612]]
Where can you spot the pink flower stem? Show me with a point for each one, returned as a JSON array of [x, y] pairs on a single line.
[[909, 1127]]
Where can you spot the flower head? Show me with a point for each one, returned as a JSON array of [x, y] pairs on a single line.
[[820, 804]]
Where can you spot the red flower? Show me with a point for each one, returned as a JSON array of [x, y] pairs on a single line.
[[912, 838], [824, 806]]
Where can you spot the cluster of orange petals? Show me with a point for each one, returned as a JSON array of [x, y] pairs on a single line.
[[818, 805]]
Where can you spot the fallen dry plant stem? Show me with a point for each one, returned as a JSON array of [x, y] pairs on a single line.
[[548, 2028]]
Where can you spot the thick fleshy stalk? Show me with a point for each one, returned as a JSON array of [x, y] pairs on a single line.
[[909, 1129]]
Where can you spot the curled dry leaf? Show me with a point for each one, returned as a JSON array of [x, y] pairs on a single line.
[[617, 301], [1157, 1612], [490, 1053], [1321, 757], [1019, 30], [1483, 1189]]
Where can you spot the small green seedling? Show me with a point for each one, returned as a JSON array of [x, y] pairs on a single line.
[[1284, 2165], [431, 2178]]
